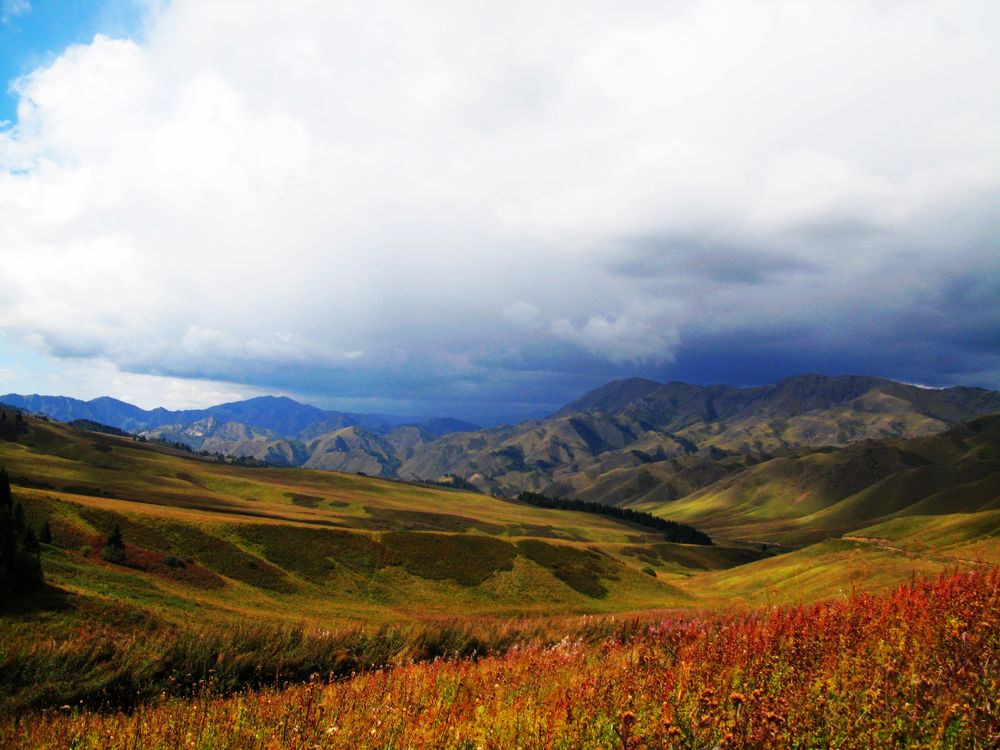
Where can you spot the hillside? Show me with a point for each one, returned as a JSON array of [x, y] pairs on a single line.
[[295, 543], [632, 440], [830, 492], [636, 425], [226, 566]]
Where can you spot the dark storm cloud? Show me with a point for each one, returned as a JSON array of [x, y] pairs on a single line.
[[671, 256], [481, 206]]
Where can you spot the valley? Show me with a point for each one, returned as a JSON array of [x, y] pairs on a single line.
[[325, 567]]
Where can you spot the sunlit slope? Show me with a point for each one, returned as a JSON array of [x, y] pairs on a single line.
[[828, 493], [220, 540], [831, 569]]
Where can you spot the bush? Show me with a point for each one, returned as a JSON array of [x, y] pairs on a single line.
[[113, 554]]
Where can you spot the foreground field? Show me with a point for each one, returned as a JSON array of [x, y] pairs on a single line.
[[916, 667]]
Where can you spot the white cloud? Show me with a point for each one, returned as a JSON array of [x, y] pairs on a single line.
[[357, 187], [621, 339]]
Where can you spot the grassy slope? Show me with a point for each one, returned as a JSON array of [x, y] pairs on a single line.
[[805, 499], [284, 546], [293, 544], [297, 545]]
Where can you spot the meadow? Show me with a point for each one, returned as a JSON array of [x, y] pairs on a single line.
[[264, 607], [914, 667]]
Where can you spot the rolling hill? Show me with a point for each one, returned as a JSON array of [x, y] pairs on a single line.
[[831, 492], [293, 544], [291, 568]]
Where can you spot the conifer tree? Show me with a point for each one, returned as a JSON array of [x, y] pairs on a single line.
[[8, 539], [5, 496], [114, 550], [29, 542], [115, 537]]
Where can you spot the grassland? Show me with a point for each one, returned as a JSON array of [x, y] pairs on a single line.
[[249, 578], [915, 667], [293, 544], [819, 494]]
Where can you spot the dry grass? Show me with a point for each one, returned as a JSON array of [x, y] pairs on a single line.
[[915, 667]]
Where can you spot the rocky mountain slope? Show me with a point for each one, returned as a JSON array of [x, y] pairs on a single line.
[[635, 436], [629, 441]]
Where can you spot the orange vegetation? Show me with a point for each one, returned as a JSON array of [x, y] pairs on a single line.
[[915, 667]]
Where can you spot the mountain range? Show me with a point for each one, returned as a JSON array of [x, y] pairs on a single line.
[[629, 441]]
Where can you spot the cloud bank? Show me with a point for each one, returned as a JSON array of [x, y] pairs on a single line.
[[467, 206]]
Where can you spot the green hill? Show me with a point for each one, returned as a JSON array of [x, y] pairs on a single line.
[[825, 493], [292, 544]]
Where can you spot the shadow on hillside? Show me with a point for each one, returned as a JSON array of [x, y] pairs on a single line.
[[46, 599]]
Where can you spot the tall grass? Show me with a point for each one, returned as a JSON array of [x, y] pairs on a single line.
[[121, 666], [916, 667]]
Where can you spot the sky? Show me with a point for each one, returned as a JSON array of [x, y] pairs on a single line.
[[483, 210]]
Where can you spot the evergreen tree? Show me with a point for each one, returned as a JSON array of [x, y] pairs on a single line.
[[5, 496], [114, 550], [20, 563], [29, 542], [18, 519], [8, 539], [45, 534]]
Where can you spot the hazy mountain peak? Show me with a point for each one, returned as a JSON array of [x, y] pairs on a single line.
[[612, 396]]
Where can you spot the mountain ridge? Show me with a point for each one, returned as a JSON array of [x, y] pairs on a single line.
[[630, 440]]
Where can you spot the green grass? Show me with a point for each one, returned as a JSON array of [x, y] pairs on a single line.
[[294, 545], [467, 560], [581, 570], [291, 545]]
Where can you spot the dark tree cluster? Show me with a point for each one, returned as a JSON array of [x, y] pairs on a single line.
[[114, 550], [20, 549], [91, 426], [12, 424], [673, 532]]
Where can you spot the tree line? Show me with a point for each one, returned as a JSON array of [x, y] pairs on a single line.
[[20, 546], [673, 532]]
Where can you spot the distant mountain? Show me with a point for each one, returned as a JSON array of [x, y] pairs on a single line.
[[629, 441], [279, 414], [628, 425], [612, 396]]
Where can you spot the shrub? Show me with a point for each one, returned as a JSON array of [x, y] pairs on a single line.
[[114, 550]]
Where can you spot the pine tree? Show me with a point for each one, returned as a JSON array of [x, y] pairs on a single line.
[[45, 533], [114, 550], [20, 553], [18, 519], [5, 496], [8, 539], [29, 542]]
